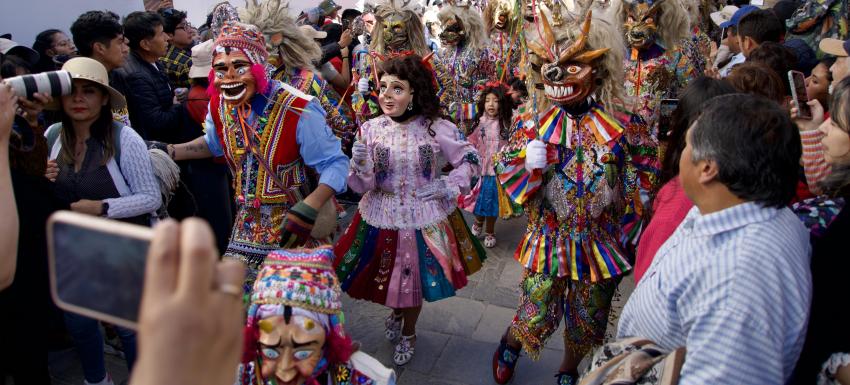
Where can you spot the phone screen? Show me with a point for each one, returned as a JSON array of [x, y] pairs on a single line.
[[96, 269], [798, 92], [665, 116]]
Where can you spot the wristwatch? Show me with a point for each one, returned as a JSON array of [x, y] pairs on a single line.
[[104, 209]]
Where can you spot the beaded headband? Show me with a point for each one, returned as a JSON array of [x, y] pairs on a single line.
[[244, 37], [302, 278]]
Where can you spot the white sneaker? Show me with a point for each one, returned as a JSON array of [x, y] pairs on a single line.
[[489, 241]]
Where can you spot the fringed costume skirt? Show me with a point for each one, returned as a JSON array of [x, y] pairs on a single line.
[[400, 267]]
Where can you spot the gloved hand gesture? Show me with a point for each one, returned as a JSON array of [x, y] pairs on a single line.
[[436, 190], [363, 85], [359, 153], [298, 225], [535, 155]]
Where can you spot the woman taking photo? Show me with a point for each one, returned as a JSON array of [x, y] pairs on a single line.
[[826, 353], [408, 241], [99, 168]]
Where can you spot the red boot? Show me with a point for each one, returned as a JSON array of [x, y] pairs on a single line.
[[504, 362]]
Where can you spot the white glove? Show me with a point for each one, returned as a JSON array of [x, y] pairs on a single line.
[[436, 190], [363, 85], [359, 153], [535, 155]]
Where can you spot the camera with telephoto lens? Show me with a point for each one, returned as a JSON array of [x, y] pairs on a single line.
[[53, 83]]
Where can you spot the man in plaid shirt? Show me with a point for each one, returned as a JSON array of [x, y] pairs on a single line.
[[178, 58]]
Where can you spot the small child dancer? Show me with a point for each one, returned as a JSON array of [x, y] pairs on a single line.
[[490, 132]]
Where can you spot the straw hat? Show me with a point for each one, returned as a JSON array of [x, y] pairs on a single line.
[[202, 56], [91, 70]]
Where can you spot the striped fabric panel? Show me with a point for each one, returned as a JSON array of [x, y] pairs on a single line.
[[814, 165], [734, 287]]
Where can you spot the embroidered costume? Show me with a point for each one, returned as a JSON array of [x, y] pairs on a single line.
[[503, 28], [466, 59], [291, 61], [339, 116], [571, 251], [273, 142], [297, 295], [655, 69], [400, 248], [488, 197], [398, 32]]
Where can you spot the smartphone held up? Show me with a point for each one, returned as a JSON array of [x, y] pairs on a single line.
[[798, 93], [97, 266]]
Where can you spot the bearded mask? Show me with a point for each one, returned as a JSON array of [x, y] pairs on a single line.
[[528, 11], [395, 32], [233, 76], [640, 24], [501, 16], [568, 71], [453, 33]]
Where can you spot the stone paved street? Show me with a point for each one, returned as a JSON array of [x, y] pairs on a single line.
[[456, 336]]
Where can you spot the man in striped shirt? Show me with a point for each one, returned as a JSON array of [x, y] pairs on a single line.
[[733, 283]]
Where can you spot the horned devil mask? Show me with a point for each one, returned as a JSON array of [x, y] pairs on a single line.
[[569, 69]]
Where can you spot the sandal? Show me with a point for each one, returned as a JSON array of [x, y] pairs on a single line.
[[504, 362], [393, 326], [404, 350], [490, 241], [476, 229]]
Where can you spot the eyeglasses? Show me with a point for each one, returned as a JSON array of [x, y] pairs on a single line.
[[63, 43], [184, 26]]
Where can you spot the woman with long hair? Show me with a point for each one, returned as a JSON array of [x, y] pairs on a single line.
[[825, 358], [408, 242], [100, 168], [49, 44], [670, 205]]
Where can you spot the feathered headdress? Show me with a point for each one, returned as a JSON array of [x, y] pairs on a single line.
[[283, 38]]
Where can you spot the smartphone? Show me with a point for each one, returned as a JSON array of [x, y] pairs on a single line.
[[97, 266], [798, 93], [665, 117]]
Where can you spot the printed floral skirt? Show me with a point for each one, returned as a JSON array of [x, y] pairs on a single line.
[[488, 199], [398, 268]]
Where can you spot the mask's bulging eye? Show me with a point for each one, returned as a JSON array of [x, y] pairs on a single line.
[[219, 75], [302, 355], [242, 71], [270, 353], [573, 69]]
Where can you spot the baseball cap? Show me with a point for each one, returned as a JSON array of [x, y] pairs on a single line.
[[723, 15], [9, 47], [202, 55], [738, 15], [835, 47]]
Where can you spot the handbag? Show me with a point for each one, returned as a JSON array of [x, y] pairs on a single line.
[[634, 360]]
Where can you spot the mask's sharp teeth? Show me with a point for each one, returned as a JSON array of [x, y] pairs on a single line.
[[569, 90]]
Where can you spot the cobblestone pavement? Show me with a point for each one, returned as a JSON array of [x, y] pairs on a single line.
[[456, 336]]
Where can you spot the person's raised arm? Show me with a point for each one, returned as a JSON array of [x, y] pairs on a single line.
[[189, 297], [8, 208]]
